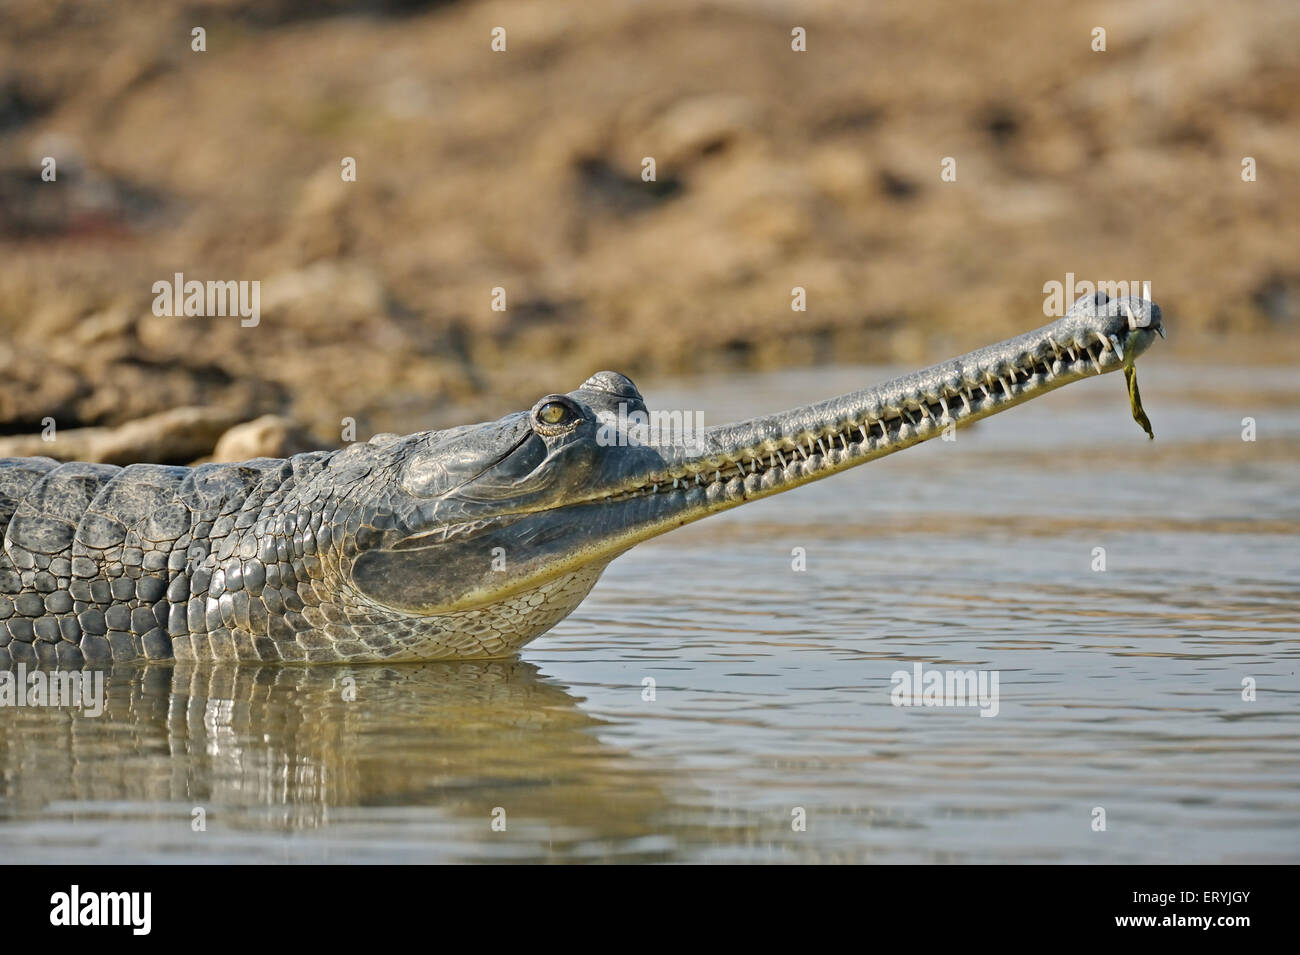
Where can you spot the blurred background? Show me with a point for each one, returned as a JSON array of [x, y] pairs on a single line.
[[522, 170]]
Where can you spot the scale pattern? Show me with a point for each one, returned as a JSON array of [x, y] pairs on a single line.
[[238, 562], [99, 563]]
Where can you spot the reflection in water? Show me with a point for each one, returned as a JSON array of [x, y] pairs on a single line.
[[301, 748]]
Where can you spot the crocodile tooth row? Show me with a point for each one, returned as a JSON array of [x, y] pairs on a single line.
[[916, 416]]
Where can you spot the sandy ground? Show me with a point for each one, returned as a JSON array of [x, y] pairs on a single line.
[[522, 170]]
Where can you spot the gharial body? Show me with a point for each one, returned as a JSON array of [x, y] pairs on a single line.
[[463, 543]]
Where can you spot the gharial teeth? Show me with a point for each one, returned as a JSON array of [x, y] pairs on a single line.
[[1005, 387], [943, 401], [1114, 340], [965, 401]]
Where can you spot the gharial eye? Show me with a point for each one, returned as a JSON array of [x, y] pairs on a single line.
[[555, 411], [552, 413]]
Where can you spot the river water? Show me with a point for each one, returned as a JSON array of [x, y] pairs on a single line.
[[768, 733]]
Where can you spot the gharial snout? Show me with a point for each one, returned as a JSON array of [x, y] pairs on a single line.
[[1123, 327], [1142, 324]]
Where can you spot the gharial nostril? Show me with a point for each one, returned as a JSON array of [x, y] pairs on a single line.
[[1101, 298]]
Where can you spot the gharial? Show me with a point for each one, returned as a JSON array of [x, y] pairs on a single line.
[[462, 543]]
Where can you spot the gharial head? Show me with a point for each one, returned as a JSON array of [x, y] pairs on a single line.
[[513, 520]]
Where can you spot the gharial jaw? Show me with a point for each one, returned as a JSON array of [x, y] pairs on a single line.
[[768, 455]]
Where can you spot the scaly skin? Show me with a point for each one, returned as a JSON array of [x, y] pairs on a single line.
[[464, 543]]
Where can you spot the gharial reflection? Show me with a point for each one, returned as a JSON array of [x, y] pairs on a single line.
[[290, 748]]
